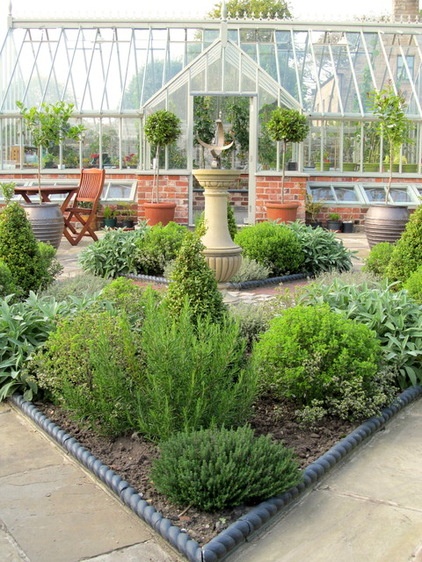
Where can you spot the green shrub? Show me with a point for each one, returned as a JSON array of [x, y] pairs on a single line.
[[378, 259], [114, 254], [24, 327], [7, 284], [193, 374], [218, 468], [193, 280], [273, 245], [311, 353], [50, 265], [231, 221], [90, 366], [322, 251], [128, 298], [407, 253], [160, 245], [413, 285], [393, 315], [250, 270], [20, 251]]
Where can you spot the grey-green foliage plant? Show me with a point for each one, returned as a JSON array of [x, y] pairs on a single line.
[[193, 281], [20, 251], [81, 286], [89, 365], [407, 254], [114, 254], [194, 374], [157, 247], [213, 469], [250, 270], [378, 259], [322, 251], [24, 327], [310, 354], [273, 245], [253, 319], [393, 315]]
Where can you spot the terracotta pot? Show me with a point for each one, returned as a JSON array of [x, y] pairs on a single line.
[[385, 223], [159, 213], [282, 212], [46, 221]]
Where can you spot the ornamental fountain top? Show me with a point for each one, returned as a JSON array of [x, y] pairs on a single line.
[[219, 145]]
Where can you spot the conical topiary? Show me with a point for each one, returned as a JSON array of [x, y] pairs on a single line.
[[19, 249], [193, 280]]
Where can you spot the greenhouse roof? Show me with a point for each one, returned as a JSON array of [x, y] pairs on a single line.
[[118, 67]]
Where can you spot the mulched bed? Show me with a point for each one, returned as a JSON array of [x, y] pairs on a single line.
[[131, 458]]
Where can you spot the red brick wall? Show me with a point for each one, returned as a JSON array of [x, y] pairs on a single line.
[[171, 188], [268, 188]]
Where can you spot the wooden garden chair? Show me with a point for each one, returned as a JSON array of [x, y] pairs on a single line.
[[89, 192]]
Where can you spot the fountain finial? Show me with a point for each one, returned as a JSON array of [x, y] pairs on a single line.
[[217, 147]]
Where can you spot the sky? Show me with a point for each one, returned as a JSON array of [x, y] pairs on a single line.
[[303, 9]]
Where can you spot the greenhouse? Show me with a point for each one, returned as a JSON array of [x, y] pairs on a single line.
[[116, 73]]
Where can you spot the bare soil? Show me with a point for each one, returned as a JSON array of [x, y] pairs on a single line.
[[131, 457]]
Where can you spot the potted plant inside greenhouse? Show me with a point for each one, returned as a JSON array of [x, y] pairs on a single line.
[[110, 219], [334, 222], [127, 213], [49, 125], [162, 128], [285, 126], [385, 222], [312, 209]]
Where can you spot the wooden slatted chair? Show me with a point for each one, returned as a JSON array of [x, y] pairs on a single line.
[[89, 191]]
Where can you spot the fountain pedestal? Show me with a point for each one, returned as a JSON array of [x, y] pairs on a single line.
[[223, 256]]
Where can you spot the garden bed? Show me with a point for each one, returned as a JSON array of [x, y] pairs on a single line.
[[123, 465], [131, 458]]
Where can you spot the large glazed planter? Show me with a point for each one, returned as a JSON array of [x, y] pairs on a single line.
[[282, 212], [223, 256], [46, 221], [385, 223], [159, 213]]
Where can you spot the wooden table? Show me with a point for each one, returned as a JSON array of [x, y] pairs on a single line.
[[46, 192]]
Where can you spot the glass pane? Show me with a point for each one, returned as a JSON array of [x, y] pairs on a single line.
[[322, 193], [345, 194], [375, 194], [399, 196]]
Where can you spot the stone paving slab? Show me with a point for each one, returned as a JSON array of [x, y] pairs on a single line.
[[53, 511], [368, 509]]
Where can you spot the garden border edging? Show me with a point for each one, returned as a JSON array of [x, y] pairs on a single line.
[[246, 526], [240, 286]]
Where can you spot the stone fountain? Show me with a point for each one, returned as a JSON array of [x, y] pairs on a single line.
[[223, 256]]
